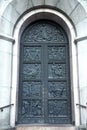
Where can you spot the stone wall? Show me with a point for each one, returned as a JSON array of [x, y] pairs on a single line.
[[10, 12]]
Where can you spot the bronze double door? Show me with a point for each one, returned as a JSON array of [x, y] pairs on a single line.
[[44, 79]]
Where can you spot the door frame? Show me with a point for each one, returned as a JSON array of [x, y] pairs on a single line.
[[62, 20]]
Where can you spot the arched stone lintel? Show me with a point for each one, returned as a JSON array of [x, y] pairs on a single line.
[[44, 13], [59, 18]]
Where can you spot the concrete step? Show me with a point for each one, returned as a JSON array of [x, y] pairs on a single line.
[[82, 127], [45, 128], [8, 129]]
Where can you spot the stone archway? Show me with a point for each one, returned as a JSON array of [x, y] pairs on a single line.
[[57, 17], [13, 11]]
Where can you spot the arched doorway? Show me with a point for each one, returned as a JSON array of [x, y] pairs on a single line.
[[44, 79]]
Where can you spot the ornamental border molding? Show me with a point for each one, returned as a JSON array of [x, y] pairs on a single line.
[[78, 39], [7, 38]]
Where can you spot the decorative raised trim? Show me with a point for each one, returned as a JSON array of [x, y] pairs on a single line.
[[7, 38], [78, 39]]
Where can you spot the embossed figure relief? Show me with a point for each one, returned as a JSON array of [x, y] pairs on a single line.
[[57, 71], [36, 108], [25, 108], [44, 87], [32, 89], [31, 71], [31, 108], [56, 53], [57, 89]]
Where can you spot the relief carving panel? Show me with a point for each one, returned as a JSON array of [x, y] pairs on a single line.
[[36, 108], [32, 89], [57, 89], [56, 71], [31, 71], [32, 54], [44, 32], [31, 108], [56, 53], [57, 108], [25, 108]]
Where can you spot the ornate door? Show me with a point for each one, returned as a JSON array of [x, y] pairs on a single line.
[[44, 85]]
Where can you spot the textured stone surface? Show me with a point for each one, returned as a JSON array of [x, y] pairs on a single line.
[[5, 46], [3, 5], [11, 14], [84, 4], [4, 100], [37, 2], [45, 128], [21, 6], [5, 81], [80, 27], [78, 14], [6, 27], [82, 64], [66, 5], [5, 68], [83, 97], [51, 2]]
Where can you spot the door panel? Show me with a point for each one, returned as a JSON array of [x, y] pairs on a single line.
[[44, 86], [32, 54]]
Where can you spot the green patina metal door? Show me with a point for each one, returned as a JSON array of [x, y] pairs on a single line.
[[44, 82]]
